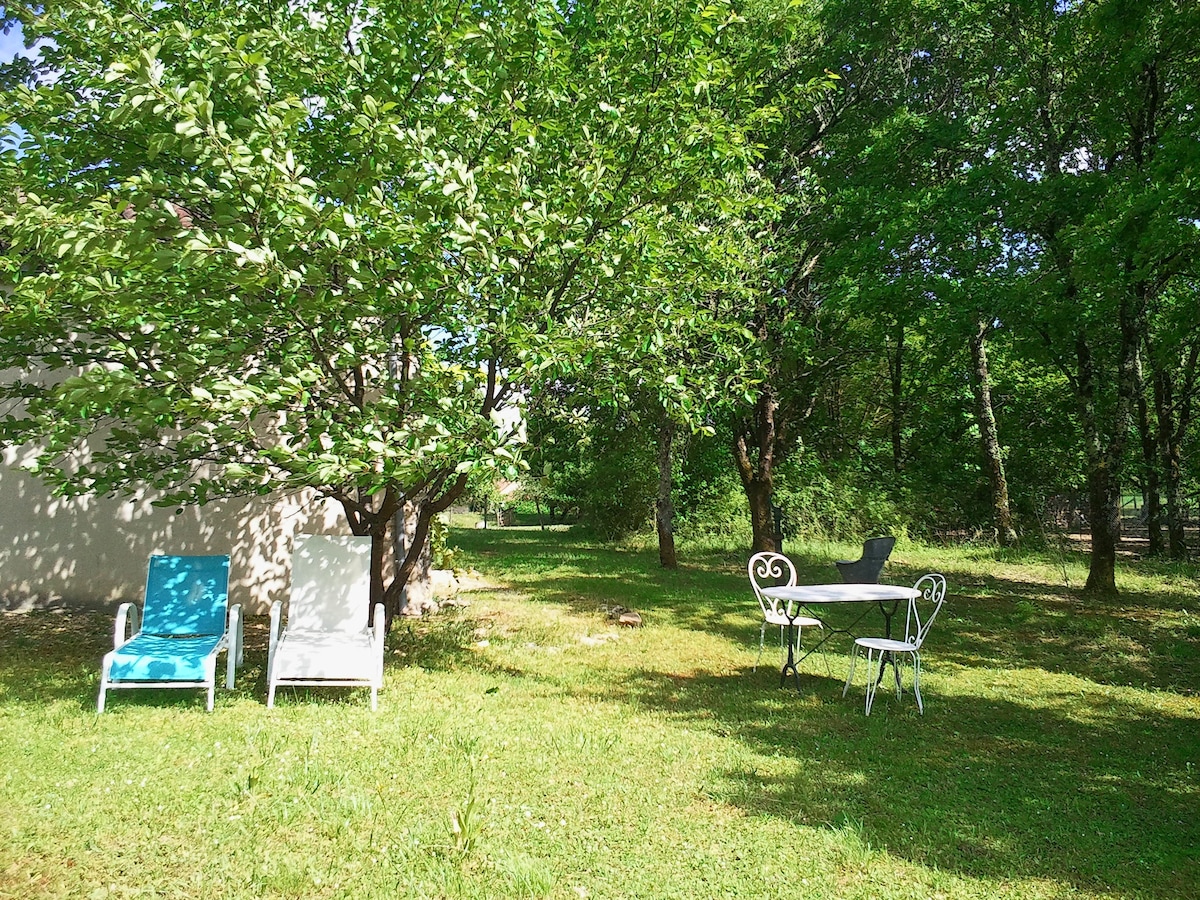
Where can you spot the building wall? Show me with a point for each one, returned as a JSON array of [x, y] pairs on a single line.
[[93, 551]]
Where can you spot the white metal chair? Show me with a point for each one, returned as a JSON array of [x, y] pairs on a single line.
[[327, 640], [776, 570], [922, 610]]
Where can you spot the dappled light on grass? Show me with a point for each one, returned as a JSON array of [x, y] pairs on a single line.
[[527, 747]]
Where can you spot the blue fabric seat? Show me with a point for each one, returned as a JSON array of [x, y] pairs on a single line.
[[186, 623], [152, 657]]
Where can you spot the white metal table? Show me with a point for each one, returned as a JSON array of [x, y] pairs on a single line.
[[811, 597]]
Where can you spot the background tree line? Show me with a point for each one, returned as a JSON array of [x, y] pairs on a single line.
[[977, 289], [896, 264]]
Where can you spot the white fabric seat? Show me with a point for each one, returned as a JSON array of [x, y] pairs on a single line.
[[325, 656], [327, 640], [922, 610]]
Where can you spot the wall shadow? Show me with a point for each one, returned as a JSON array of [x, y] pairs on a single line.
[[91, 552]]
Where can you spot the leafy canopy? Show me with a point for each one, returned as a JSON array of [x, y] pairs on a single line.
[[323, 244]]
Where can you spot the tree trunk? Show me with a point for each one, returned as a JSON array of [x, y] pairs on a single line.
[[664, 509], [1151, 496], [416, 541], [754, 454], [1173, 413], [762, 521], [416, 596], [383, 560], [373, 516], [989, 437], [1105, 457], [1173, 474], [1103, 484], [1104, 516]]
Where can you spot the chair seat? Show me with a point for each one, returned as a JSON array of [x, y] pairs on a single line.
[[803, 621], [349, 656], [150, 657], [878, 643]]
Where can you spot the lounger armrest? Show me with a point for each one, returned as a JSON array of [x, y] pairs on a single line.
[[276, 624], [127, 617], [379, 618], [233, 644], [237, 631]]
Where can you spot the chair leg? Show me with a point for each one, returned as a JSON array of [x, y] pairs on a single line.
[[231, 655], [762, 637], [374, 698], [271, 696], [872, 678], [103, 691], [212, 693], [850, 674], [917, 682]]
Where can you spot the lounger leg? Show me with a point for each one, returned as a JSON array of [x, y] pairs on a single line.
[[103, 685], [374, 699], [271, 696], [233, 650]]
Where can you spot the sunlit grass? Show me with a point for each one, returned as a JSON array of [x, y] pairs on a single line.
[[526, 746]]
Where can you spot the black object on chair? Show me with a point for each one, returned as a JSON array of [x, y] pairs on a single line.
[[866, 570]]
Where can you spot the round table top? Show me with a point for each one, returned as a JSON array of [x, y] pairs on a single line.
[[841, 593]]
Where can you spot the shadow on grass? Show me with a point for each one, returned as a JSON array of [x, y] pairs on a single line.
[[1141, 639], [55, 656], [986, 788], [1092, 791]]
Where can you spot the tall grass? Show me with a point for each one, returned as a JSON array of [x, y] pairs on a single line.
[[525, 746]]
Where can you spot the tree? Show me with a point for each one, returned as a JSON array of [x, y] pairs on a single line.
[[281, 245], [1104, 205]]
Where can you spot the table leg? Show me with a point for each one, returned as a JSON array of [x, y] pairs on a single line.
[[790, 664], [886, 656]]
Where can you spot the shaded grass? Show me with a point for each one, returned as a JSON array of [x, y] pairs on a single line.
[[526, 747]]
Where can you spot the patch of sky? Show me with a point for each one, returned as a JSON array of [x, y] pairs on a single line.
[[12, 45]]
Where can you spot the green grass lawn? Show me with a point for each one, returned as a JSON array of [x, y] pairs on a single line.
[[526, 747]]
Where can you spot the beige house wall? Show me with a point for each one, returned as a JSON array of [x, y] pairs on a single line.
[[93, 551]]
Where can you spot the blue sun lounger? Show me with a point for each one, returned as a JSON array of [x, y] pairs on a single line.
[[185, 624]]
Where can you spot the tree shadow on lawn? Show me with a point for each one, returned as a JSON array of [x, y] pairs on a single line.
[[49, 656], [988, 622], [55, 655], [1092, 792], [1140, 639]]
